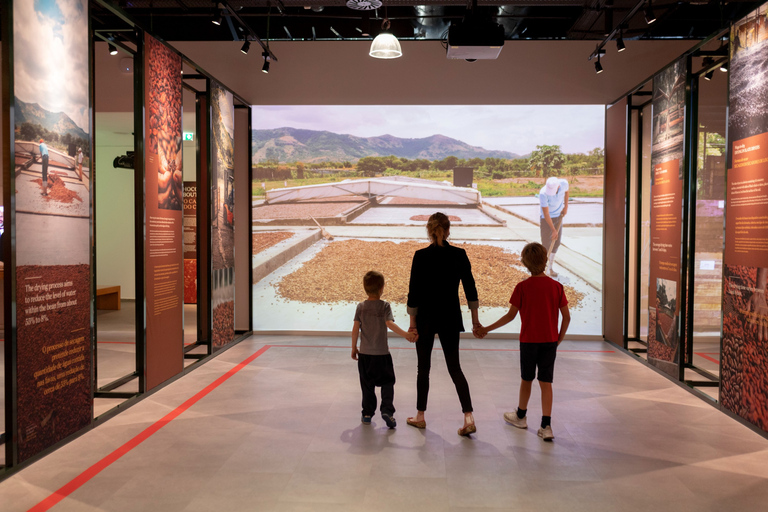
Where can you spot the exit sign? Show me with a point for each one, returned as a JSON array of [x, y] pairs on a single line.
[[189, 136]]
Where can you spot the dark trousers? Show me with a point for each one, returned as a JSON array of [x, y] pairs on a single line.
[[45, 169], [450, 342], [377, 371]]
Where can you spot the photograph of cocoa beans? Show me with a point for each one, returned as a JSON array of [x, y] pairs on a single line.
[[164, 124], [335, 273], [744, 364], [223, 323], [53, 369]]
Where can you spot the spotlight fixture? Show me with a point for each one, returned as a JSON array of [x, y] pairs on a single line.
[[707, 63], [246, 46], [724, 66], [598, 66], [708, 75], [112, 49], [649, 16], [385, 45], [620, 42], [216, 18], [265, 67]]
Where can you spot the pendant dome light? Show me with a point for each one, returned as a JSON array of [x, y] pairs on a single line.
[[385, 45]]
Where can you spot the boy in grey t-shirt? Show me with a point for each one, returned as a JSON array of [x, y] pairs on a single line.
[[374, 362]]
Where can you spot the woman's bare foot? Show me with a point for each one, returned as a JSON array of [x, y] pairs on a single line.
[[417, 421], [469, 425]]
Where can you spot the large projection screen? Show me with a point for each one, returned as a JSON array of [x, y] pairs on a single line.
[[340, 190]]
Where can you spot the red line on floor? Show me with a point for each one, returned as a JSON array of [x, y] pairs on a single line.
[[120, 342], [703, 355], [438, 348], [94, 470]]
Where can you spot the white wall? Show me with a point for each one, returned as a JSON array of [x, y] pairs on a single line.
[[115, 261]]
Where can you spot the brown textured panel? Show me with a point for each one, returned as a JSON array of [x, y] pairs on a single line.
[[614, 227]]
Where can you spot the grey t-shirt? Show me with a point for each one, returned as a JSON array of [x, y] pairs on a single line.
[[373, 316]]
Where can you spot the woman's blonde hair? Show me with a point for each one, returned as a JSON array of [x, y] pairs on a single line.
[[437, 228]]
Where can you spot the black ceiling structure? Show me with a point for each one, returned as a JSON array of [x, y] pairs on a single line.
[[318, 20]]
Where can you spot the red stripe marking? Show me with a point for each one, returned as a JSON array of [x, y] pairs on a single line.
[[108, 460], [704, 356], [94, 470], [438, 348]]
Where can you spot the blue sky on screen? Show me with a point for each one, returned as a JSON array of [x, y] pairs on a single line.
[[515, 128]]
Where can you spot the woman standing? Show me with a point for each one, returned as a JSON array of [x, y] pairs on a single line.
[[433, 305]]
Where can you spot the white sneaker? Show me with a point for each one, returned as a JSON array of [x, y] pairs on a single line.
[[546, 433], [512, 419]]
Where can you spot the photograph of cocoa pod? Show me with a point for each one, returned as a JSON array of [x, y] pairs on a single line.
[[164, 129]]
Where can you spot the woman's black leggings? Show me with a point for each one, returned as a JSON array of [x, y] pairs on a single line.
[[450, 342]]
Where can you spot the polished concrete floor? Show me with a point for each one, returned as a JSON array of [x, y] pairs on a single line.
[[273, 424]]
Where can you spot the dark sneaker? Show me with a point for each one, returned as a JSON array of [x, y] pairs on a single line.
[[389, 420], [366, 419]]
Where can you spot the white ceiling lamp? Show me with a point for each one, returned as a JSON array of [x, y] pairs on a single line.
[[385, 45]]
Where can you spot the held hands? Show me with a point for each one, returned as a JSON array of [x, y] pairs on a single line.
[[478, 331], [412, 335]]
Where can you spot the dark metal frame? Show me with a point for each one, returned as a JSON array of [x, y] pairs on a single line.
[[688, 231], [9, 288]]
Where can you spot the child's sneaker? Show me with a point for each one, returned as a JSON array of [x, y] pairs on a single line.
[[515, 421], [389, 420], [546, 433], [366, 419]]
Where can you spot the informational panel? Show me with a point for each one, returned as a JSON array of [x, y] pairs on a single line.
[[52, 229], [222, 215], [190, 242], [164, 261], [744, 361], [668, 134]]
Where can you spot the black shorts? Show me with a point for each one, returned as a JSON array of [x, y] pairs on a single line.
[[541, 355]]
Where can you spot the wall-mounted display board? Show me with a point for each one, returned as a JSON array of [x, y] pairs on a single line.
[[190, 242], [163, 253], [666, 213], [48, 207], [222, 215], [744, 366]]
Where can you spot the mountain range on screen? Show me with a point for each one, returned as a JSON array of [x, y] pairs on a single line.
[[299, 145], [57, 122]]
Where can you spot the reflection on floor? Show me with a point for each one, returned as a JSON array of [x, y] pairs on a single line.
[[116, 348], [706, 360], [283, 433]]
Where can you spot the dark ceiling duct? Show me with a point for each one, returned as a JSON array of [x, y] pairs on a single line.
[[429, 22], [509, 16]]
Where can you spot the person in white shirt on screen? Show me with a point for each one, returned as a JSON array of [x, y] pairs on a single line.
[[553, 200]]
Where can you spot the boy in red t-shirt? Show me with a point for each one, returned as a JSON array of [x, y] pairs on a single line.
[[538, 299]]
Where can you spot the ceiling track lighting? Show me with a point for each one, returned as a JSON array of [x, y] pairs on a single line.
[[706, 64], [246, 46], [598, 66], [724, 66], [385, 45], [265, 67], [649, 16], [217, 17], [112, 49], [620, 42]]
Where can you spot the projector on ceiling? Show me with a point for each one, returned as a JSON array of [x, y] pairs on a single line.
[[474, 39]]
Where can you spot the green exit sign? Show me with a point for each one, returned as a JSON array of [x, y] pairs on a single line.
[[189, 136]]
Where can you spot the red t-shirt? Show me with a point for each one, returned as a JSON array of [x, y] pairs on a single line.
[[539, 300]]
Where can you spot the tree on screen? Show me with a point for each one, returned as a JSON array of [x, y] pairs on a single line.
[[547, 160]]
